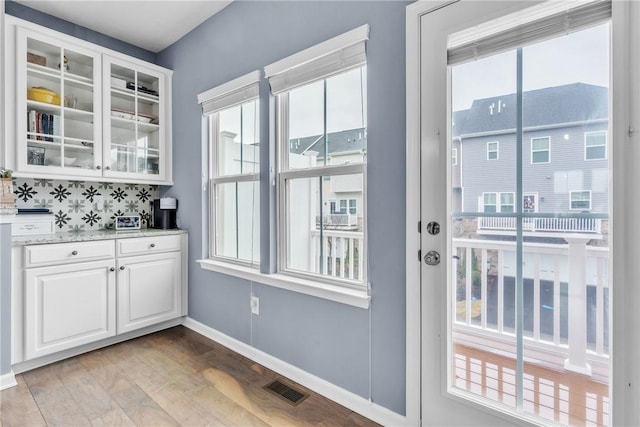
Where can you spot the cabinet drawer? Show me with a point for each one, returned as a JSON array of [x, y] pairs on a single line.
[[65, 253], [147, 245]]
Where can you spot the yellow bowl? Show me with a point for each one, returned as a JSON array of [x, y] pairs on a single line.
[[42, 94]]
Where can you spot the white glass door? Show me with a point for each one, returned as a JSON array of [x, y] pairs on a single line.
[[520, 137]]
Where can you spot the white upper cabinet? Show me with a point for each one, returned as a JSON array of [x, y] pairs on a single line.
[[83, 111], [58, 94], [135, 126]]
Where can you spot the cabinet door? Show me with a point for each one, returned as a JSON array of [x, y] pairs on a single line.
[[69, 305], [149, 290], [137, 121], [59, 107]]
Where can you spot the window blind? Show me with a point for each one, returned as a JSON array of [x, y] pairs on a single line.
[[335, 55], [526, 27], [229, 94]]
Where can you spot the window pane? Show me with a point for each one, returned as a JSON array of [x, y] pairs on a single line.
[[238, 140], [344, 124], [306, 126], [237, 208], [318, 241], [539, 144], [540, 157], [346, 117]]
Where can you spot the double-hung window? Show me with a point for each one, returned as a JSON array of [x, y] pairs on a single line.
[[321, 131], [540, 148], [232, 111], [595, 145], [492, 150]]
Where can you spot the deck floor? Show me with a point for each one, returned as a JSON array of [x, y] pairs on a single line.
[[564, 397]]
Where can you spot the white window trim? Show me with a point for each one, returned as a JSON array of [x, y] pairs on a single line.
[[454, 157], [227, 95], [602, 145], [355, 297], [548, 138], [571, 193], [497, 150]]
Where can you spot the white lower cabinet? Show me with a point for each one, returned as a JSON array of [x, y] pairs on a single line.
[[66, 295], [69, 305], [148, 290]]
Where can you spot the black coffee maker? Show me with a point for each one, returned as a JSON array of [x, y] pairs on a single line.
[[164, 213]]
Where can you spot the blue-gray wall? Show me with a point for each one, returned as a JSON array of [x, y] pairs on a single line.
[[5, 298], [20, 11], [360, 350]]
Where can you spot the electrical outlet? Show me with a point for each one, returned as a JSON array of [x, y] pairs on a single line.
[[255, 305]]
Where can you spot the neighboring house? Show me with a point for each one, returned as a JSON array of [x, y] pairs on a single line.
[[342, 202], [564, 152]]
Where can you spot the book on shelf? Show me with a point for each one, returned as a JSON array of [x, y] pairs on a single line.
[[43, 124]]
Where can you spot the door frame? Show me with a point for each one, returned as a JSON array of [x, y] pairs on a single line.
[[625, 180]]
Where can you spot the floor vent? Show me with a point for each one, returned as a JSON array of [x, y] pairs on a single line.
[[289, 394]]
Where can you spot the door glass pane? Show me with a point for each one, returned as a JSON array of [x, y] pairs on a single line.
[[561, 370]]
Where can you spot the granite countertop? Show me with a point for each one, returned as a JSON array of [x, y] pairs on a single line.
[[81, 236]]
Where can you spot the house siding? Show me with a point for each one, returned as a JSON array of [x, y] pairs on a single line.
[[567, 170]]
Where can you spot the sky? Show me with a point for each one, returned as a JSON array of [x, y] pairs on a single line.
[[568, 59]]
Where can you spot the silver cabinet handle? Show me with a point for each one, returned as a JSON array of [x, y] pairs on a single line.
[[153, 245], [108, 168], [112, 269], [122, 267], [74, 253], [98, 167]]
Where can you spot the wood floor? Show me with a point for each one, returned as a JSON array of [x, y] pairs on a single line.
[[174, 377]]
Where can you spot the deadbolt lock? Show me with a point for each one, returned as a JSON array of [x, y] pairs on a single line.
[[432, 258], [433, 228]]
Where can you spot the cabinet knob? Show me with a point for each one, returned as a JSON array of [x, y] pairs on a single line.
[[153, 245], [112, 269], [122, 267], [98, 167], [108, 168], [74, 253]]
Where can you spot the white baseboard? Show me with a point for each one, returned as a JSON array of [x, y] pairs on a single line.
[[331, 391], [7, 380]]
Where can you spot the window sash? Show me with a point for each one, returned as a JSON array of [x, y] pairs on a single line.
[[541, 150], [492, 151], [595, 145], [580, 200]]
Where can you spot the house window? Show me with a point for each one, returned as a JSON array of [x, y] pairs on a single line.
[[529, 203], [492, 151], [595, 145], [454, 157], [490, 202], [234, 165], [507, 202], [321, 124], [540, 148], [580, 200]]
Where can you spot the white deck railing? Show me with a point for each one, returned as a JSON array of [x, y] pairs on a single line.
[[342, 253], [480, 312], [572, 225]]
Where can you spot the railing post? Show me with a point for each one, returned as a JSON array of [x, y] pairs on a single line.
[[577, 307]]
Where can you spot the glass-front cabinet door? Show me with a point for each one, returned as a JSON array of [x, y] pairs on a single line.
[[58, 107], [135, 133]]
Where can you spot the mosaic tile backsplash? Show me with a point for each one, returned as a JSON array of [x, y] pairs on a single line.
[[73, 203]]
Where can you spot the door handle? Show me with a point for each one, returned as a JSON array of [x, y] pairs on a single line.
[[432, 258]]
